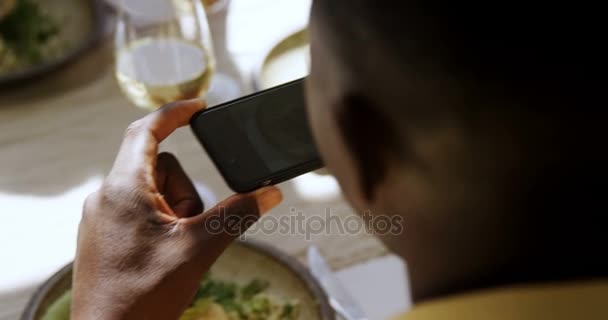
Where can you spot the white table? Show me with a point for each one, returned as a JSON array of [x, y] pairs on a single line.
[[59, 135]]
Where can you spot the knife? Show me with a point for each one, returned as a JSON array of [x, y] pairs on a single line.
[[339, 298]]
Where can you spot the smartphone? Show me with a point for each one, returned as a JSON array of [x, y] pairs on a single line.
[[260, 139]]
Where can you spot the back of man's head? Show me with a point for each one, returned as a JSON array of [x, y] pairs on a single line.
[[517, 82], [516, 49]]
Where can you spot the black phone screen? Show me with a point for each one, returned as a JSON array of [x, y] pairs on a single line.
[[258, 137]]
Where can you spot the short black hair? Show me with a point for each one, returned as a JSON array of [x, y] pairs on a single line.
[[531, 49], [540, 57], [546, 56]]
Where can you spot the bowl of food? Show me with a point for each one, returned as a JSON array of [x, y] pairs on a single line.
[[38, 36], [249, 281]]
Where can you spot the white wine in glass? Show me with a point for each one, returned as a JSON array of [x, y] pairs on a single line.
[[163, 51]]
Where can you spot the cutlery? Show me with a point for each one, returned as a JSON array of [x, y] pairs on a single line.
[[339, 298]]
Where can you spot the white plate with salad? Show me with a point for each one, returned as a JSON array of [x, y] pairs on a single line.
[[39, 36], [250, 281]]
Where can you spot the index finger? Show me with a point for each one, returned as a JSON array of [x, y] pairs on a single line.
[[139, 147]]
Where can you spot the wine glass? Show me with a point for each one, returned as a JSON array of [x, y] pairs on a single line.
[[227, 83], [163, 53]]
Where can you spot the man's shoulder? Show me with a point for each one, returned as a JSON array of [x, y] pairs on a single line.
[[555, 301]]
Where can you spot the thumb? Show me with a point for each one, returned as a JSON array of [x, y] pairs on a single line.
[[233, 216]]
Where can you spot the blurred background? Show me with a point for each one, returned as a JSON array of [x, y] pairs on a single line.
[[75, 73]]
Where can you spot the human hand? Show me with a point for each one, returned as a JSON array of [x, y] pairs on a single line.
[[144, 242]]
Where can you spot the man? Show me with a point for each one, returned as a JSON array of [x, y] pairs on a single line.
[[462, 122]]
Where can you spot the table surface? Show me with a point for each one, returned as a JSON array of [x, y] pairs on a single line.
[[59, 135]]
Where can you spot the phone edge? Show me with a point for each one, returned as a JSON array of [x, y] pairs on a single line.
[[276, 178]]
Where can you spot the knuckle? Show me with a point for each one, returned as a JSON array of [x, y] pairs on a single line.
[[134, 128], [166, 108], [110, 189], [120, 196], [170, 105], [90, 205], [91, 199]]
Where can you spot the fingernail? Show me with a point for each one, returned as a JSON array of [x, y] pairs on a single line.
[[268, 198]]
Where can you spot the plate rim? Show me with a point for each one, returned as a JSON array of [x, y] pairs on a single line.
[[300, 271], [98, 23], [256, 75], [290, 262]]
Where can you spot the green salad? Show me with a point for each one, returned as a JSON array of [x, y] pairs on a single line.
[[216, 300], [27, 36]]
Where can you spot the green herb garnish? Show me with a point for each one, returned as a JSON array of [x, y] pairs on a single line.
[[26, 29]]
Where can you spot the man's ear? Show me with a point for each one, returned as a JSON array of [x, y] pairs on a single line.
[[370, 137]]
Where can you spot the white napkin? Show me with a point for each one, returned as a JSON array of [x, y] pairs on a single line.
[[380, 286], [39, 239]]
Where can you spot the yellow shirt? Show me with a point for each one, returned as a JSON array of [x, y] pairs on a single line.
[[557, 301]]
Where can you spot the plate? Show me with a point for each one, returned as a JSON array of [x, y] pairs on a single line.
[[82, 27], [288, 60], [241, 262]]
